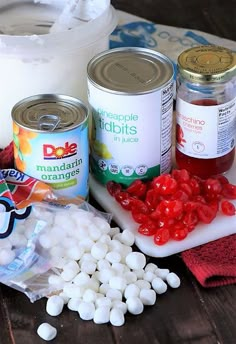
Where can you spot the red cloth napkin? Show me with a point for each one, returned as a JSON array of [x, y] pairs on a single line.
[[212, 264], [6, 157]]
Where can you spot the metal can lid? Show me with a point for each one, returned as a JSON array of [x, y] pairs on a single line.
[[130, 70], [207, 63], [50, 113]]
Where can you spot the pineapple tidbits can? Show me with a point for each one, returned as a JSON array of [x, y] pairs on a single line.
[[131, 98], [51, 142]]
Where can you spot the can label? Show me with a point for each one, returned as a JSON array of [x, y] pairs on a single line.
[[131, 134], [205, 131], [59, 159]]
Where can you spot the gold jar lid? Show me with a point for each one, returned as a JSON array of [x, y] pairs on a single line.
[[207, 63]]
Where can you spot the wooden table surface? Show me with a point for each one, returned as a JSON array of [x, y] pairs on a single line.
[[190, 314]]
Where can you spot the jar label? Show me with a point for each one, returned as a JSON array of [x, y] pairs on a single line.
[[205, 131]]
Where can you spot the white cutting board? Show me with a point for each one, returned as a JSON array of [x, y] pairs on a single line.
[[221, 226]]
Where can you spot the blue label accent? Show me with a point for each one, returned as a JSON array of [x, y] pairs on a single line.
[[199, 39], [135, 34]]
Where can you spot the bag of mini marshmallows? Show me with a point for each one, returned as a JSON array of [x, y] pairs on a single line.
[[38, 240]]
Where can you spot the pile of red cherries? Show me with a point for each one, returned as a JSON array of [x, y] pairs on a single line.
[[171, 205]]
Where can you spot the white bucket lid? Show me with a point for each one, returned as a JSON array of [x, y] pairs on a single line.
[[44, 45]]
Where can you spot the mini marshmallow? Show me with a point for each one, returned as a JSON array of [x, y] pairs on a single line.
[[57, 251], [59, 217], [117, 237], [87, 257], [73, 303], [151, 267], [121, 305], [89, 295], [102, 224], [105, 275], [6, 256], [135, 260], [69, 242], [86, 310], [159, 285], [162, 273], [142, 284], [130, 277], [99, 250], [70, 270], [94, 284], [113, 231], [115, 245], [102, 315], [173, 280], [148, 276], [64, 297], [57, 232], [127, 237], [81, 233], [68, 275], [131, 290], [114, 294], [46, 331], [88, 267], [86, 244], [113, 257], [58, 262], [135, 305], [56, 280], [94, 232], [82, 217], [72, 265], [54, 305], [148, 297], [119, 268], [124, 250], [104, 287], [75, 252], [99, 295], [117, 317], [46, 241], [139, 273], [117, 282], [103, 301], [73, 290], [103, 264], [69, 225], [105, 239], [81, 279]]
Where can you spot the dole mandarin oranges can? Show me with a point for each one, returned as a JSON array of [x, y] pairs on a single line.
[[50, 134]]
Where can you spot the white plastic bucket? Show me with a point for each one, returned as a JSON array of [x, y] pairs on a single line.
[[35, 61]]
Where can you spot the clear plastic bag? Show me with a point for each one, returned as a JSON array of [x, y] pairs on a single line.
[[27, 236]]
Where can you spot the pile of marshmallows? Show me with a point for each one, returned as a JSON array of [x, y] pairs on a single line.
[[99, 275]]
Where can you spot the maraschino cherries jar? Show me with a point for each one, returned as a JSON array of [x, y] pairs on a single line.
[[206, 110]]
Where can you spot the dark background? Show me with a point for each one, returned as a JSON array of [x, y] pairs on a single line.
[[213, 16]]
